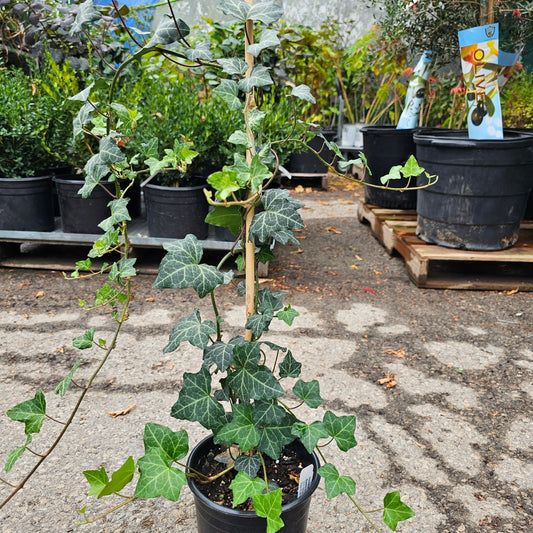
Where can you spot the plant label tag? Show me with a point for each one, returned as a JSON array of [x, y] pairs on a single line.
[[306, 476]]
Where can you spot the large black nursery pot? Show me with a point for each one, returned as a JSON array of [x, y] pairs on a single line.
[[174, 212], [482, 190], [214, 518], [306, 163], [385, 146], [26, 204], [78, 214]]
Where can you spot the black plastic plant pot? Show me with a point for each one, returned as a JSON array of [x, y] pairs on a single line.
[[482, 188], [26, 204], [214, 518], [306, 163], [174, 212], [82, 215], [385, 147]]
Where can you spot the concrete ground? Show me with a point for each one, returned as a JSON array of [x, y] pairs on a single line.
[[454, 434]]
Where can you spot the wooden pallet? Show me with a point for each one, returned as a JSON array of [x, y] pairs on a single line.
[[433, 266]]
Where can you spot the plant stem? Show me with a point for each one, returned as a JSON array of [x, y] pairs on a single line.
[[109, 511]]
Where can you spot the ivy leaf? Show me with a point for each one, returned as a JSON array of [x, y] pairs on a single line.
[[62, 388], [241, 430], [269, 506], [224, 182], [31, 413], [195, 402], [126, 268], [15, 454], [268, 413], [303, 92], [232, 66], [192, 329], [309, 434], [172, 445], [201, 51], [167, 32], [259, 77], [244, 487], [288, 315], [395, 510], [266, 12], [289, 367], [220, 353], [158, 478], [228, 90], [227, 217], [259, 323], [259, 172], [276, 435], [335, 483], [240, 138], [94, 170], [250, 464], [309, 392], [84, 116], [235, 8], [268, 39], [252, 381], [279, 218], [412, 168], [119, 479], [84, 341], [394, 174], [87, 14], [97, 479], [181, 268], [119, 213], [109, 151], [342, 429]]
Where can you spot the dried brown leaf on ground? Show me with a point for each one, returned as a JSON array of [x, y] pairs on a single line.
[[333, 229], [389, 380], [299, 251], [400, 354], [114, 414], [509, 293]]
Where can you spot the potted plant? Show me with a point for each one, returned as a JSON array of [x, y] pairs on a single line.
[[237, 395], [483, 184]]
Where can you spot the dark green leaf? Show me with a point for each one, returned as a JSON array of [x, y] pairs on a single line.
[[228, 217], [259, 323], [195, 402], [180, 268], [289, 367], [259, 77], [266, 12], [276, 435], [309, 434], [192, 329], [201, 51], [228, 90], [167, 32], [268, 413], [241, 430], [395, 510], [309, 392], [87, 14], [84, 341], [235, 8], [172, 445], [234, 65], [268, 39], [250, 464], [303, 93], [220, 354]]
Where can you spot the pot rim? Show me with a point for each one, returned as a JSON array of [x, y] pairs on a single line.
[[28, 178], [443, 137], [250, 514], [168, 188]]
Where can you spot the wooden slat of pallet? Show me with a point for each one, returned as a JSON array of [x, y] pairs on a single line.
[[433, 266]]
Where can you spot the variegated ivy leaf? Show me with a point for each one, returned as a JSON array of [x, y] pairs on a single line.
[[335, 483], [289, 367], [167, 32], [259, 77], [87, 14], [309, 392], [268, 39], [276, 435], [190, 329], [229, 92], [234, 65], [255, 118], [269, 506], [201, 51], [235, 8], [241, 430], [331, 146], [342, 429], [240, 138], [252, 381], [195, 402], [82, 96], [303, 93], [266, 12], [249, 464], [84, 116], [181, 268], [309, 434], [94, 170], [31, 413], [173, 445], [62, 388], [394, 174], [279, 218], [158, 478], [119, 213]]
